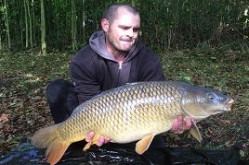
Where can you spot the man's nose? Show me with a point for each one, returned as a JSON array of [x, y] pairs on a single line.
[[130, 32]]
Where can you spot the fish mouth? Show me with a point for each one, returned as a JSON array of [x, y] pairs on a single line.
[[229, 105]]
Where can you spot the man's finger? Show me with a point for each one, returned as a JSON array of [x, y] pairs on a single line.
[[179, 118], [175, 125], [180, 124], [107, 140], [101, 141], [89, 136], [188, 124]]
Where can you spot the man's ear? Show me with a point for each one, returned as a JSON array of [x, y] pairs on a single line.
[[105, 24]]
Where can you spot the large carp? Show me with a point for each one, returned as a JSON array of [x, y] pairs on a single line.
[[135, 111]]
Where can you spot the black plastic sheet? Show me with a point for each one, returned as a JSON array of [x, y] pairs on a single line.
[[27, 154]]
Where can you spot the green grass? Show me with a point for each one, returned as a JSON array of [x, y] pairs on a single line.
[[24, 76]]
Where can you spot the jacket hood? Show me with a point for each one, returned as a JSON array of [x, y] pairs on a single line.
[[97, 43]]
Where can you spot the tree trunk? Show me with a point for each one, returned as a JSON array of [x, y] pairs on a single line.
[[30, 24], [1, 47], [133, 3], [73, 25], [33, 23], [83, 22], [6, 19], [174, 30], [26, 24], [43, 30], [20, 22], [1, 29]]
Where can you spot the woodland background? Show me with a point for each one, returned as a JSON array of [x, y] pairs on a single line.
[[202, 42], [166, 24]]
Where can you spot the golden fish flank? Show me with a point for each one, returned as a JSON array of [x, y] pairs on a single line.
[[132, 112]]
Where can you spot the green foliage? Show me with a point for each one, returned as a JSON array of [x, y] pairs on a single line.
[[166, 24]]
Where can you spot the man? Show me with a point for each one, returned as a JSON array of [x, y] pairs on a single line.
[[113, 57]]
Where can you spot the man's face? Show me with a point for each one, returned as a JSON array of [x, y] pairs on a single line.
[[122, 33]]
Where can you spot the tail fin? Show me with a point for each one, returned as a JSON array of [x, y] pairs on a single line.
[[50, 138]]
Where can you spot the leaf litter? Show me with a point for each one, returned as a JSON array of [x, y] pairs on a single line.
[[24, 108]]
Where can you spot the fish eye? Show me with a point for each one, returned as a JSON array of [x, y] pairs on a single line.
[[210, 96]]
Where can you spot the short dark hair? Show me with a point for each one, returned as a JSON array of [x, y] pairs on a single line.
[[110, 12]]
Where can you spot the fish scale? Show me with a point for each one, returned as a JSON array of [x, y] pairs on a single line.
[[136, 111], [145, 101]]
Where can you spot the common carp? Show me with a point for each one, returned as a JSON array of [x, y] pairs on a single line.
[[135, 111]]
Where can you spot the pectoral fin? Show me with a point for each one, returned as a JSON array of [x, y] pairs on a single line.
[[194, 131], [143, 144]]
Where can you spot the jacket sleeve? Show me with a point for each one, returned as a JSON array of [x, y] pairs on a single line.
[[85, 84]]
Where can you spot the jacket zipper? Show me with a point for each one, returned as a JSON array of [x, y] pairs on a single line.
[[119, 72]]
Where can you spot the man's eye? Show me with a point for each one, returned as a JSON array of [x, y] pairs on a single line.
[[124, 27], [136, 29]]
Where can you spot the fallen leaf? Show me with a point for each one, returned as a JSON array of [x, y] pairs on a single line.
[[4, 118]]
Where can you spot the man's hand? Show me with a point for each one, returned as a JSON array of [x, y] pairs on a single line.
[[102, 140], [181, 124]]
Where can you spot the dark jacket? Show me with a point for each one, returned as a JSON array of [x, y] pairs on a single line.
[[94, 70]]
